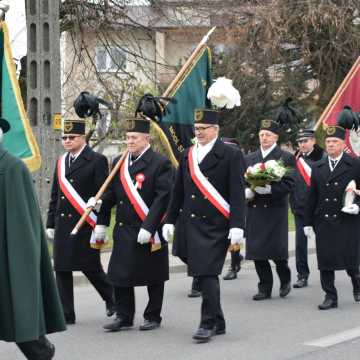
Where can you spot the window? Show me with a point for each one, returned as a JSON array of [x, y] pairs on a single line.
[[110, 59]]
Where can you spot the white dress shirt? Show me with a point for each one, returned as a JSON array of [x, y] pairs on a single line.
[[337, 161], [141, 154], [202, 150], [266, 152], [73, 157]]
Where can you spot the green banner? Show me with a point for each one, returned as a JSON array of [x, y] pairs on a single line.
[[20, 140], [176, 129]]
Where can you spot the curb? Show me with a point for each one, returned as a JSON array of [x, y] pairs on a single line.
[[81, 280]]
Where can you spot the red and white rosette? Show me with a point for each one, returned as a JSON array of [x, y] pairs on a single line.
[[140, 178]]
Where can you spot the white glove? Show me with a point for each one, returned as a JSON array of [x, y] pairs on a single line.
[[249, 194], [50, 233], [92, 203], [144, 236], [168, 231], [236, 236], [309, 231], [100, 233], [263, 190], [352, 209]]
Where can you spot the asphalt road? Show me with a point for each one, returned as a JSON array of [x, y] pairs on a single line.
[[290, 328]]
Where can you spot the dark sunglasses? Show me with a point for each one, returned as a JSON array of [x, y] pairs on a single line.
[[69, 137]]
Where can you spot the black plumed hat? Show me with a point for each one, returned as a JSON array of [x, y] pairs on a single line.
[[348, 119]]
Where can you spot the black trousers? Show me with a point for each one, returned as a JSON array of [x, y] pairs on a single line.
[[211, 312], [263, 269], [64, 281], [327, 278], [301, 252], [236, 259], [125, 302], [40, 349]]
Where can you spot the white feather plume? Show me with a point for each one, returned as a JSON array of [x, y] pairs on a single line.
[[223, 94]]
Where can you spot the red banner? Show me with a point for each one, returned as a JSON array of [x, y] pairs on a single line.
[[347, 94]]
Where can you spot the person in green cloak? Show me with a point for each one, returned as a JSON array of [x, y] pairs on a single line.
[[29, 302]]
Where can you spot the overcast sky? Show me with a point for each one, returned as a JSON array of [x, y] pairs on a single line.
[[16, 21]]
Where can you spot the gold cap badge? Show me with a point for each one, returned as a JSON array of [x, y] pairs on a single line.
[[199, 115], [331, 130]]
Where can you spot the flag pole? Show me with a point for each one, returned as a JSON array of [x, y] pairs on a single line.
[[188, 62], [179, 76], [165, 142], [338, 93]]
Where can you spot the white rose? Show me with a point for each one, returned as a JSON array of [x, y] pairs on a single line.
[[250, 170], [279, 171], [270, 164], [257, 168]]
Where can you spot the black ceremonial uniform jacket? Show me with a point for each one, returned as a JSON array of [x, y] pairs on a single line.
[[267, 215], [204, 229], [131, 263], [337, 233], [86, 174], [300, 191]]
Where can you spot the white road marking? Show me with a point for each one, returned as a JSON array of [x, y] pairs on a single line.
[[337, 338]]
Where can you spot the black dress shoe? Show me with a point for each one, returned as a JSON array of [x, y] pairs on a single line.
[[230, 275], [300, 283], [328, 304], [219, 330], [285, 289], [117, 325], [194, 293], [149, 325], [203, 335], [357, 297], [110, 309], [261, 295], [51, 352]]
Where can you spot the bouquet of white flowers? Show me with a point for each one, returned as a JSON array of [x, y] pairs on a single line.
[[262, 174]]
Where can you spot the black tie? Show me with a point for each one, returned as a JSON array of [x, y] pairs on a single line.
[[333, 163], [72, 159]]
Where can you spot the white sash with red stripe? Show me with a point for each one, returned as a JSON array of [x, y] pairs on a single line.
[[304, 170], [135, 198], [204, 185], [72, 195]]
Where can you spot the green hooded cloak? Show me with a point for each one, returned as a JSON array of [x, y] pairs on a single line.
[[29, 301]]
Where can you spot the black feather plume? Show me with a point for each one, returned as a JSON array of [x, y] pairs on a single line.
[[154, 107], [86, 105], [287, 114], [348, 119]]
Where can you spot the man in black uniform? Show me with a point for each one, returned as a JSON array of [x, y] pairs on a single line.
[[141, 193], [335, 222], [209, 190], [79, 173], [308, 153], [267, 216]]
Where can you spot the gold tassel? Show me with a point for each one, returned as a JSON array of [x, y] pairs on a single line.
[[96, 246], [234, 247], [155, 247]]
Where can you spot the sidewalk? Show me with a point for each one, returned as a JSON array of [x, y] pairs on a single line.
[[177, 266]]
